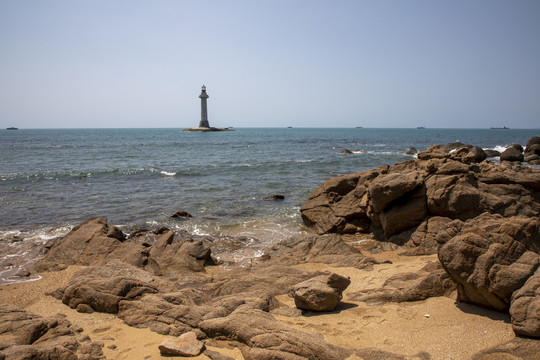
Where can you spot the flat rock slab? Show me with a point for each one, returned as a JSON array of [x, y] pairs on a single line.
[[184, 345]]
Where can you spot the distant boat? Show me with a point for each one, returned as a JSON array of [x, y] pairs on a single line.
[[420, 127], [499, 128], [359, 127], [12, 128], [289, 127]]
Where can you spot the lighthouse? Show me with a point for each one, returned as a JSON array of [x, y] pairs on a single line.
[[204, 110]]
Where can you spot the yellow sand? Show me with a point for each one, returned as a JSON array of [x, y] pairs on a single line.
[[438, 326]]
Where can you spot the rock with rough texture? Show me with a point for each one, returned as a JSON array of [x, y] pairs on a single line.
[[392, 202], [95, 243], [101, 288], [431, 281], [269, 339], [525, 308], [172, 255], [321, 293], [512, 154], [90, 243], [491, 257], [327, 249], [181, 214], [29, 336], [184, 345]]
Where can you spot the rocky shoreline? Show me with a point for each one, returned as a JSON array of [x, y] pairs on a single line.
[[427, 259]]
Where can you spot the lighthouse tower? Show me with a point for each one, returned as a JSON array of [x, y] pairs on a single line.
[[204, 111]]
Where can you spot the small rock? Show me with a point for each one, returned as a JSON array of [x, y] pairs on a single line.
[[411, 151], [345, 151], [181, 214], [321, 293], [23, 273], [426, 316], [184, 345], [274, 197], [84, 309]]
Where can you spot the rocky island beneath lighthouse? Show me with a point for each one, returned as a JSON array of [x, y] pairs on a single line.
[[204, 125]]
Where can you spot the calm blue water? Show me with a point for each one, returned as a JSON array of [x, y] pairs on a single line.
[[57, 178]]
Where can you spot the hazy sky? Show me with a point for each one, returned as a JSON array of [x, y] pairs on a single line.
[[128, 63]]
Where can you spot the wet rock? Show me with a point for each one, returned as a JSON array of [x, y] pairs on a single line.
[[181, 214], [512, 154], [274, 197], [92, 242], [492, 153], [345, 152], [184, 345], [411, 151], [321, 293]]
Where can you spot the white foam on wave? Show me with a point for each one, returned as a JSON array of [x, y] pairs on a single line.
[[499, 148], [167, 173]]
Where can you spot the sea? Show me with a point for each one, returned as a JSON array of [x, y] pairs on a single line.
[[53, 179]]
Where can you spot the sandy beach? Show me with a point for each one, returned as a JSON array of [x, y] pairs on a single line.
[[438, 327]]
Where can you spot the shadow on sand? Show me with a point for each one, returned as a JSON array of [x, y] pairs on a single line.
[[477, 310], [341, 307]]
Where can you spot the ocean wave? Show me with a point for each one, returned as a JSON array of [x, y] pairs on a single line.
[[499, 148], [166, 173]]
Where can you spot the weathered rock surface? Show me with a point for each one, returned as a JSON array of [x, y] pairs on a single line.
[[321, 293], [391, 200], [431, 281], [95, 243], [492, 257], [326, 249], [525, 308], [181, 214], [481, 218], [512, 154], [24, 335], [269, 339], [183, 345], [103, 287]]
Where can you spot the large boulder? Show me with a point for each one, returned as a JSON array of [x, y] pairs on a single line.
[[491, 257], [512, 154], [321, 293], [525, 308]]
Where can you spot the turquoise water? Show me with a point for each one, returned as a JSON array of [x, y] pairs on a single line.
[[139, 177]]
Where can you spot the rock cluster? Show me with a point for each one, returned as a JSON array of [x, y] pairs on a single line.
[[24, 335], [481, 218], [157, 280]]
